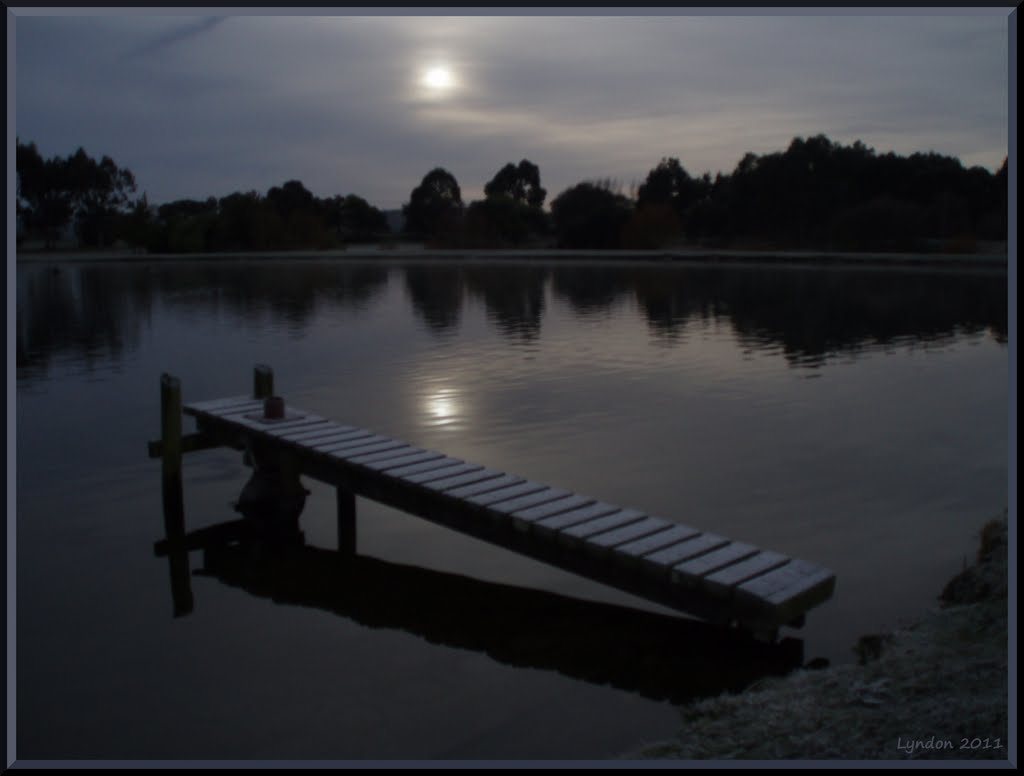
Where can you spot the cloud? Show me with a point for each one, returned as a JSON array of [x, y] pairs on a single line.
[[172, 37]]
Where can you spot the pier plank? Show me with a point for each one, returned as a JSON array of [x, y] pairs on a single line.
[[484, 486], [351, 444], [723, 581], [213, 405], [667, 537], [429, 478], [331, 430], [664, 559], [519, 503], [556, 523], [580, 531], [524, 517], [456, 480], [388, 455], [493, 497], [620, 535], [348, 453], [689, 570], [391, 464], [427, 466]]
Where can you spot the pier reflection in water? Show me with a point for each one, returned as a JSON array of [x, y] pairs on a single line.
[[658, 656]]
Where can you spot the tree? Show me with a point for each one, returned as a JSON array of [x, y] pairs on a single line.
[[589, 215], [354, 219], [99, 195], [435, 206], [43, 202], [520, 184], [54, 191]]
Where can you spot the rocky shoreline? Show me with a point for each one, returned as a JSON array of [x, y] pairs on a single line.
[[936, 689]]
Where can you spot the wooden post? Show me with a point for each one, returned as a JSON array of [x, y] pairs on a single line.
[[346, 522], [170, 438], [173, 498], [262, 381]]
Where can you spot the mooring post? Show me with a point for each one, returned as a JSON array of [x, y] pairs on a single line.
[[262, 382], [346, 521], [170, 437], [173, 498]]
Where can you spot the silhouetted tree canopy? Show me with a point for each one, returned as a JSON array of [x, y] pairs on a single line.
[[511, 213], [589, 215], [521, 184], [814, 194], [435, 206], [54, 193]]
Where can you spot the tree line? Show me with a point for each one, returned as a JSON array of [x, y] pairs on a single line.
[[816, 194]]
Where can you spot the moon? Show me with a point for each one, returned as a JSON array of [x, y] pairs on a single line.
[[438, 79]]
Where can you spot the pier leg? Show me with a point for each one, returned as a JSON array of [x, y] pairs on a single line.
[[274, 497], [346, 521], [173, 497]]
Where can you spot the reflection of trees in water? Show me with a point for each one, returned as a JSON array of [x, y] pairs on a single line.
[[97, 312], [513, 297], [590, 290], [436, 296], [815, 312], [295, 294]]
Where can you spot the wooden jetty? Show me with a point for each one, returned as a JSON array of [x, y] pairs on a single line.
[[689, 570]]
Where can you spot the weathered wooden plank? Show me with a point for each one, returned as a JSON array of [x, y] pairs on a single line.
[[348, 453], [289, 422], [237, 409], [441, 473], [793, 574], [788, 597], [562, 520], [789, 603], [447, 483], [576, 534], [524, 517], [278, 428], [398, 463], [690, 570], [387, 455], [443, 462], [634, 551], [214, 404], [493, 497], [332, 441], [662, 560], [484, 486], [332, 429], [622, 534], [533, 499], [369, 439], [723, 581]]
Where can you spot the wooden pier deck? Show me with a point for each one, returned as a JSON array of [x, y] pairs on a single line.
[[690, 570]]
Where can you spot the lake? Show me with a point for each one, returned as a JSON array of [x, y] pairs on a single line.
[[855, 417]]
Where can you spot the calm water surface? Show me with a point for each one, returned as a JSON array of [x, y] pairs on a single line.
[[856, 418]]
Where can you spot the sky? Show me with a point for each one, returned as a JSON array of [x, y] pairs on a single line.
[[199, 106]]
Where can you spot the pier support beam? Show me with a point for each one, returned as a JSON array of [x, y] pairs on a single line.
[[346, 522], [173, 497], [274, 497]]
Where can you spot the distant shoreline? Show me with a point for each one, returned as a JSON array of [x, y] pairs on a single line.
[[837, 258]]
